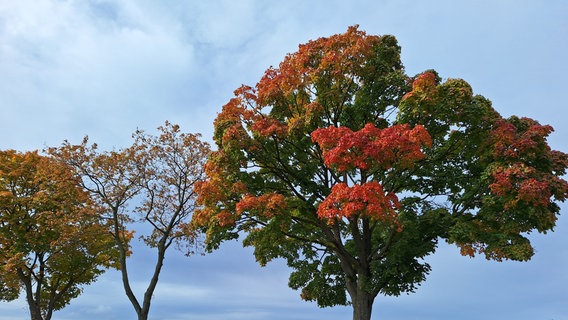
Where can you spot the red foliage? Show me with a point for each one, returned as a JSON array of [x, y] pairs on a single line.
[[370, 147], [368, 199], [517, 180], [512, 142], [336, 58], [525, 173]]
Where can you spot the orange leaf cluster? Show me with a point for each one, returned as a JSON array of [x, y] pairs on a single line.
[[368, 199], [215, 193], [371, 146], [229, 129], [424, 84], [335, 57], [266, 205], [266, 126], [470, 249], [517, 180]]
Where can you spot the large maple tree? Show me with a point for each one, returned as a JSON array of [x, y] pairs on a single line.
[[351, 171], [52, 242]]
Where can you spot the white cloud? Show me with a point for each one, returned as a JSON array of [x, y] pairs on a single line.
[[168, 291], [105, 67], [68, 70], [224, 24]]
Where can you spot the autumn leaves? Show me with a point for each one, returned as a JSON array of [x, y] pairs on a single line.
[[67, 216], [349, 169], [370, 150], [336, 161], [52, 239]]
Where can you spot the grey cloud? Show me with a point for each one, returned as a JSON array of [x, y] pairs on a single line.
[[105, 68]]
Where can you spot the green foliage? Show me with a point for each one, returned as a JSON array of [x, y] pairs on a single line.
[[52, 241], [324, 127]]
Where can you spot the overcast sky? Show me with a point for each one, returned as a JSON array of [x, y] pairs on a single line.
[[105, 68]]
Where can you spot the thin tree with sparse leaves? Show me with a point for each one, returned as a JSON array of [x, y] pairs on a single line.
[[150, 182]]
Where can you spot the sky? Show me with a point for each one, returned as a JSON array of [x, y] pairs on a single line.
[[103, 68]]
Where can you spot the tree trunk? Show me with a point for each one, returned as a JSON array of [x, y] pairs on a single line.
[[361, 300], [362, 305], [143, 315], [142, 311], [358, 274], [35, 312], [125, 279]]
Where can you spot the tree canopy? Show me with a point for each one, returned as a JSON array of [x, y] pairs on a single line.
[[147, 185], [52, 241], [351, 170]]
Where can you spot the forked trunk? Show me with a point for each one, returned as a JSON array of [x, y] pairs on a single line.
[[143, 310], [143, 316]]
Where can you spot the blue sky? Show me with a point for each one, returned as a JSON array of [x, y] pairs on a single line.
[[105, 68]]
